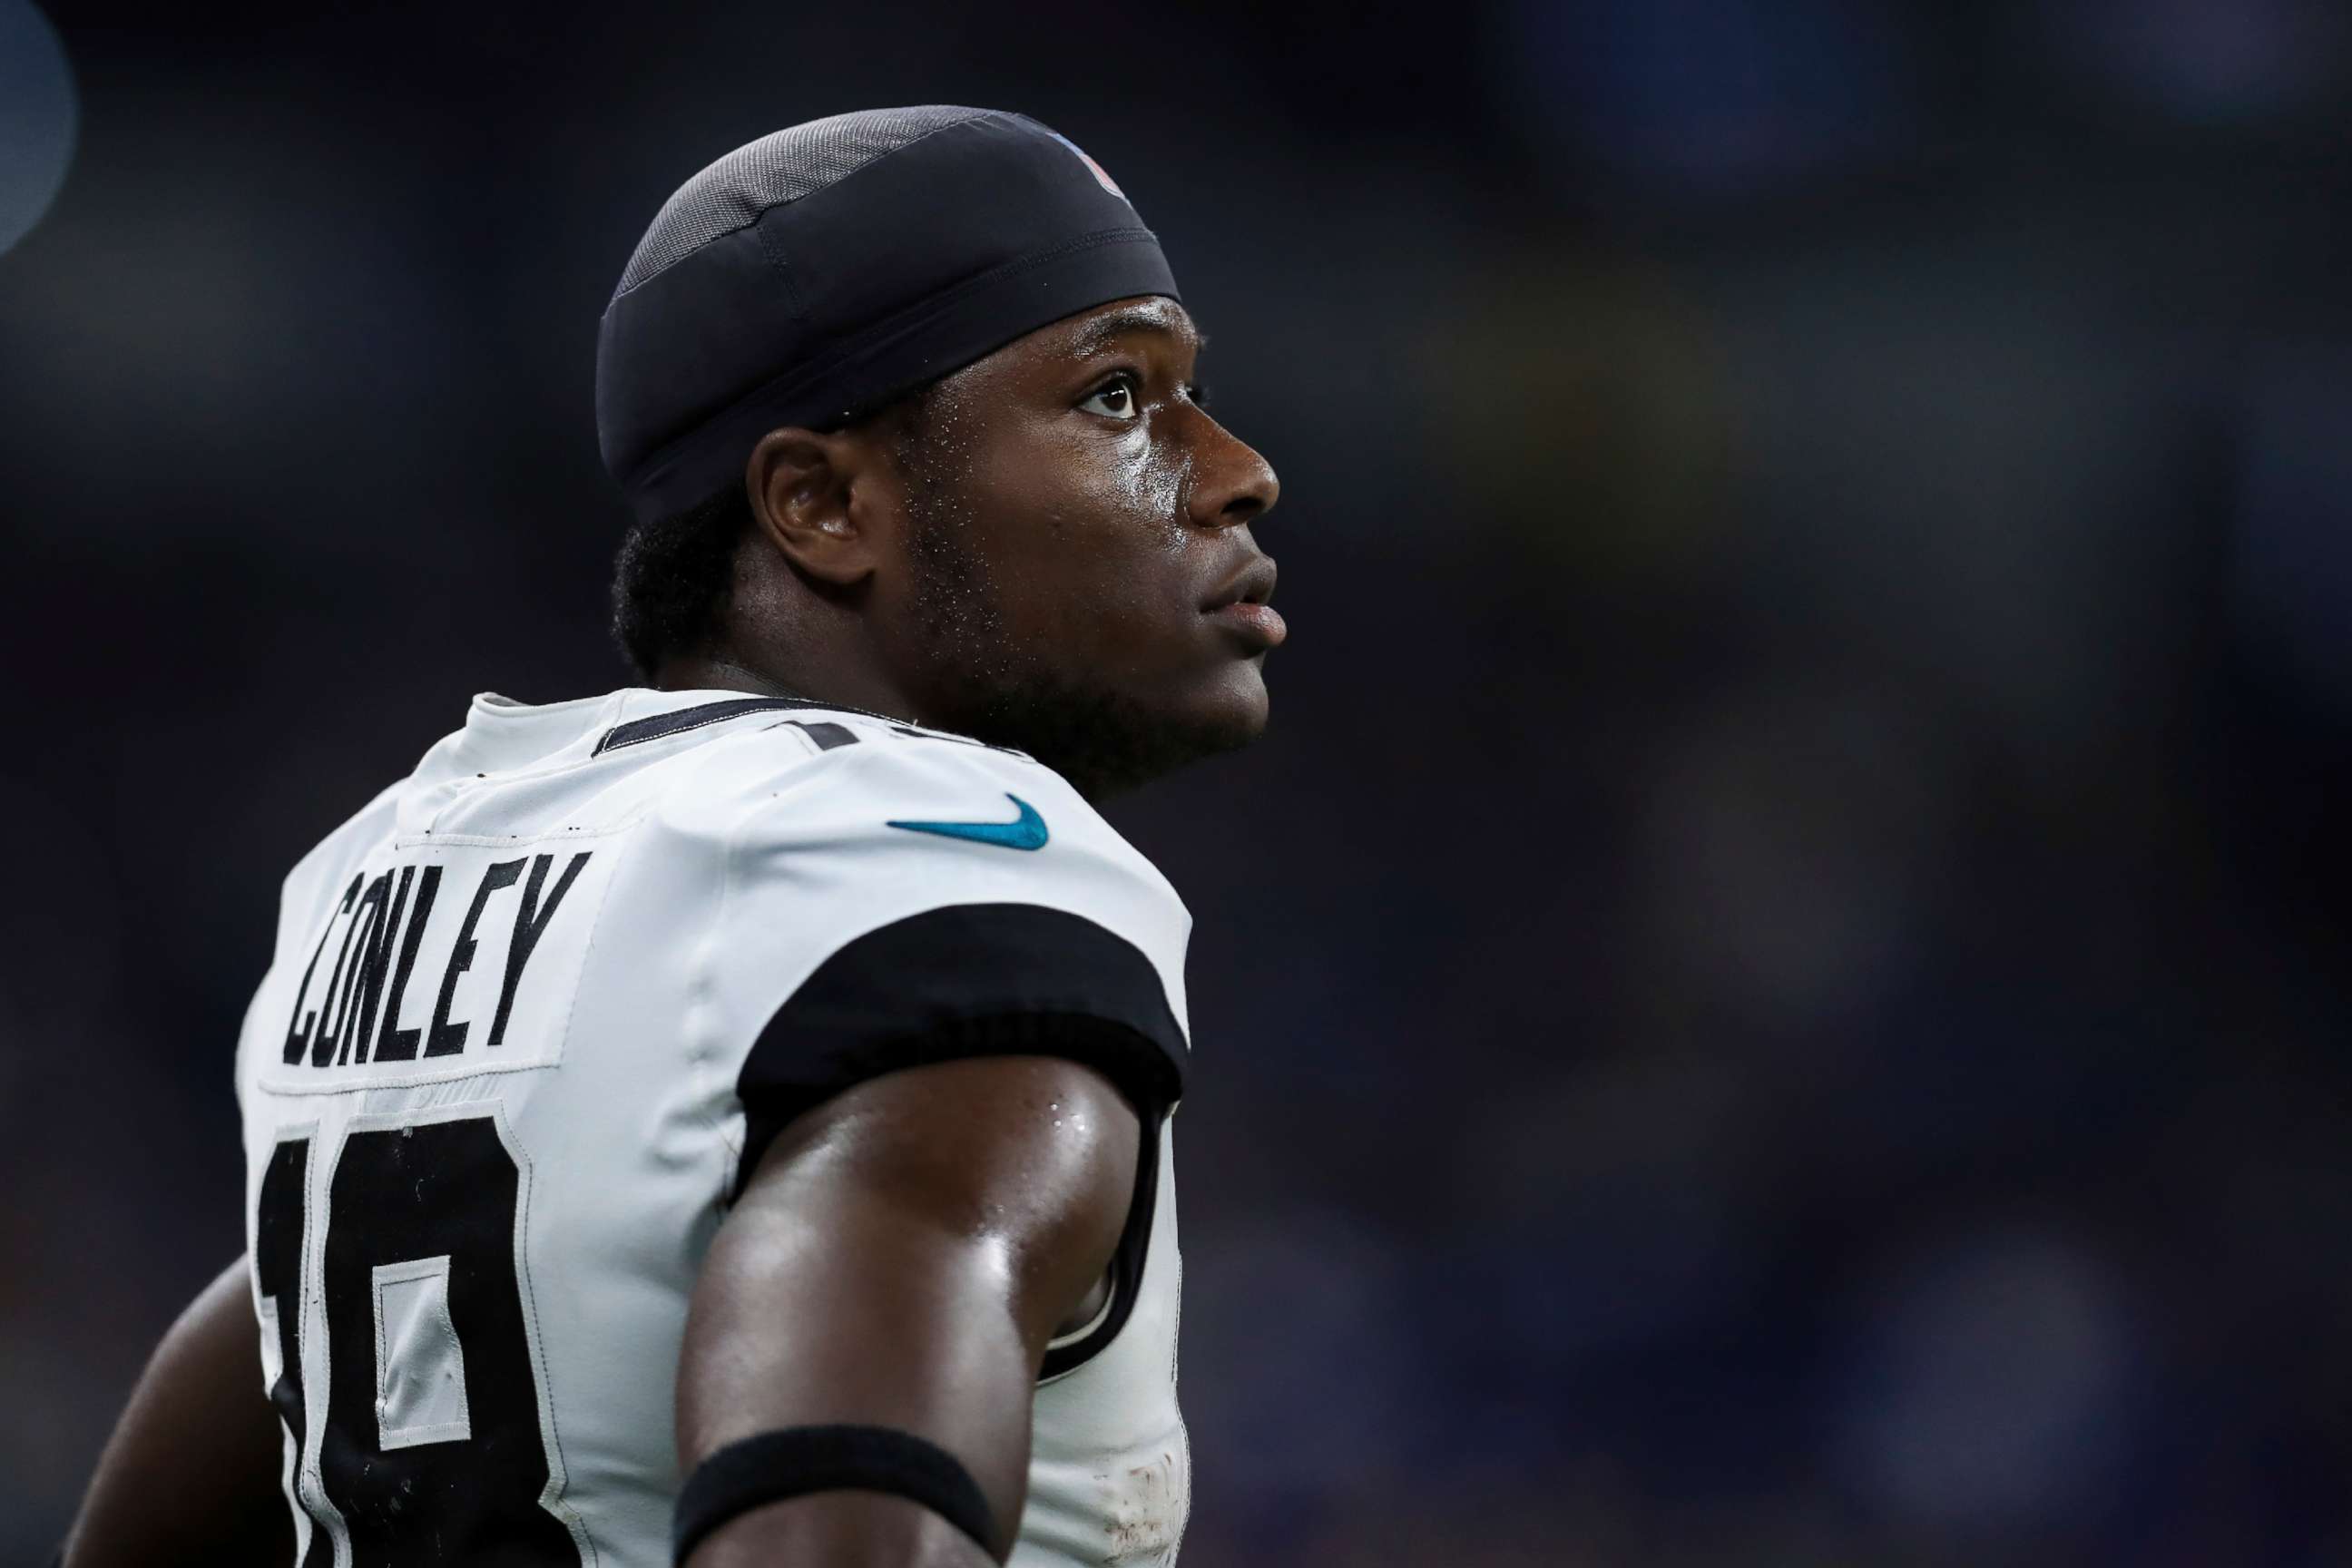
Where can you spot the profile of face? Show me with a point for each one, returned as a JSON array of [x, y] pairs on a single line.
[[1059, 554]]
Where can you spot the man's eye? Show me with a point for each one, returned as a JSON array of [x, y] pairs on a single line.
[[1117, 399]]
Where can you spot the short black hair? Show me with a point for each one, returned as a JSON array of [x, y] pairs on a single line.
[[673, 576]]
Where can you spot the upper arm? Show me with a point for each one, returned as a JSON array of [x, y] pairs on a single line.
[[190, 1474], [899, 1259], [955, 1052]]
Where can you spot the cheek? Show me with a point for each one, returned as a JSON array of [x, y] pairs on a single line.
[[1107, 495], [1103, 524], [1096, 570], [1141, 580], [1153, 491]]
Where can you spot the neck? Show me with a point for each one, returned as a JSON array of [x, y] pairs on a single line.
[[724, 672]]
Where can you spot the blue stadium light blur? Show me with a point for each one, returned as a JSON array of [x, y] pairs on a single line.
[[37, 118]]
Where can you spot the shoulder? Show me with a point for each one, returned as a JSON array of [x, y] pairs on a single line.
[[900, 898], [879, 819]]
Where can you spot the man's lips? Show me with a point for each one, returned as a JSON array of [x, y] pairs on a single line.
[[1241, 604], [1254, 584], [1261, 624]]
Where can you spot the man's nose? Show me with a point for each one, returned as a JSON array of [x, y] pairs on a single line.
[[1232, 484]]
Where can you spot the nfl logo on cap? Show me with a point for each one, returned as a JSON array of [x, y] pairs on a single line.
[[1102, 175]]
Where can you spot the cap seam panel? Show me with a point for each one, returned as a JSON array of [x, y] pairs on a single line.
[[753, 221]]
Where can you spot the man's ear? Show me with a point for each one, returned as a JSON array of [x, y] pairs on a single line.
[[808, 490]]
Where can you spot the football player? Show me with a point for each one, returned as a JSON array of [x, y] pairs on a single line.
[[726, 1119]]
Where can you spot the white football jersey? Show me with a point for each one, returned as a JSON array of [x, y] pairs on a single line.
[[533, 1015]]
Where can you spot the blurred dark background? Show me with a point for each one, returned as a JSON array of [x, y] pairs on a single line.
[[1778, 992]]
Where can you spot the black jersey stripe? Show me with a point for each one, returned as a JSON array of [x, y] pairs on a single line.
[[662, 725], [961, 980], [826, 735], [1126, 1264]]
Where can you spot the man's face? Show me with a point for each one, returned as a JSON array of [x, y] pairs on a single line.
[[1083, 583]]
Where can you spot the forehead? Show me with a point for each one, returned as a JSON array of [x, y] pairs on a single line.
[[1151, 315], [1143, 323]]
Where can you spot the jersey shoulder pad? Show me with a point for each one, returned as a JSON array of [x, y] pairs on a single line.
[[907, 899]]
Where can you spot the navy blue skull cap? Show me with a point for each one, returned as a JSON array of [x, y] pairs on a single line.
[[814, 275]]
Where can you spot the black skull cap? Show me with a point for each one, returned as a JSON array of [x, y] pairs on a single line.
[[814, 275]]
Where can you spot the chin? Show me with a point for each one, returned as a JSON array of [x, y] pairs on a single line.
[[1230, 710], [1107, 739]]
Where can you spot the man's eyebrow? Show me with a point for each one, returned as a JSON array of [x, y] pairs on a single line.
[[1136, 318]]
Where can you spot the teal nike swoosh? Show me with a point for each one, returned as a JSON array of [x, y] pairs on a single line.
[[1026, 831]]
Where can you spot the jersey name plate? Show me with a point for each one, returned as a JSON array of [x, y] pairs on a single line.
[[444, 957]]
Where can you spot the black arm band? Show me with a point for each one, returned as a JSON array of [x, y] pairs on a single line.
[[798, 1460]]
